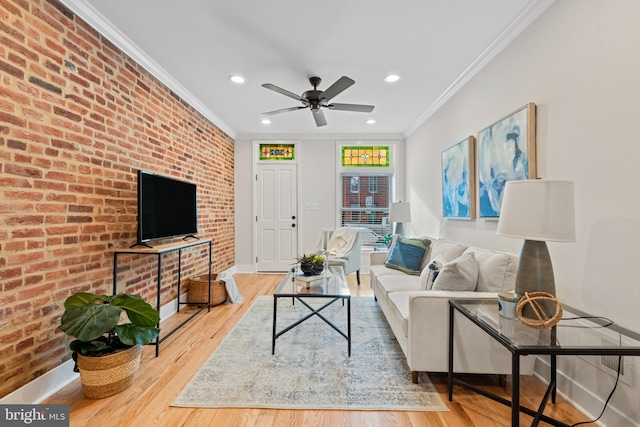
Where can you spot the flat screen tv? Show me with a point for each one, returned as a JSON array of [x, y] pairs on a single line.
[[167, 207]]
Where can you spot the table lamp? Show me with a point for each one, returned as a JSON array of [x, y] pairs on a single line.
[[537, 211], [400, 213]]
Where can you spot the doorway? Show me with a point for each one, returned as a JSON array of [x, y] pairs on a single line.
[[276, 217]]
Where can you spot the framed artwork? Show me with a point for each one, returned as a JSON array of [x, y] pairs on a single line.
[[506, 151], [458, 180]]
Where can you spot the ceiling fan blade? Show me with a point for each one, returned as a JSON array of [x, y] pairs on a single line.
[[341, 84], [352, 107], [282, 91], [284, 110], [318, 116]]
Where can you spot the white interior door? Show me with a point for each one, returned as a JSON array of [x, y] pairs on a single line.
[[277, 217]]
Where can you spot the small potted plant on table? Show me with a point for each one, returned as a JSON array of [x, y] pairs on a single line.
[[107, 353], [311, 264]]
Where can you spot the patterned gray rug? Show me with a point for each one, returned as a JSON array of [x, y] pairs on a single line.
[[310, 368]]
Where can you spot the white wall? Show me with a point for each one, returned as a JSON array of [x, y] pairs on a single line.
[[580, 64], [244, 173], [317, 185]]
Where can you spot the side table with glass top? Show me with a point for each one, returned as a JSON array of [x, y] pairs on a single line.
[[522, 340], [332, 284]]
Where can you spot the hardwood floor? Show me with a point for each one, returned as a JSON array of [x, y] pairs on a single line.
[[159, 380]]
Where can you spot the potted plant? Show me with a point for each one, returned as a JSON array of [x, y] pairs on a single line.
[[106, 351], [311, 264]]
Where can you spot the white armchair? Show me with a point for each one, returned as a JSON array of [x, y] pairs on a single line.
[[344, 248]]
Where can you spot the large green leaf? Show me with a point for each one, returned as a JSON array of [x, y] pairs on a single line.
[[89, 322], [138, 311], [131, 334], [84, 298], [90, 348]]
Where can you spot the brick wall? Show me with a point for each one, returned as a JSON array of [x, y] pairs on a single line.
[[77, 119]]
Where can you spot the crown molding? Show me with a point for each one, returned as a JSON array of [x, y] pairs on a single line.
[[528, 15], [98, 22], [320, 136]]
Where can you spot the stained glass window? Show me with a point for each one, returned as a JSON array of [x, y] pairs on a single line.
[[277, 152], [365, 156]]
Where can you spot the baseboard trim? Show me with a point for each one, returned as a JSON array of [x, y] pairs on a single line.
[[582, 397], [44, 386], [62, 375]]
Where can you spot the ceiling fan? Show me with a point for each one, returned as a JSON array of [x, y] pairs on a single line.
[[316, 99]]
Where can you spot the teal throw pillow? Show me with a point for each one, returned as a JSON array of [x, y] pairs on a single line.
[[407, 254]]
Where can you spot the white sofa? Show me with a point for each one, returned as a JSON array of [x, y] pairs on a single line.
[[419, 318]]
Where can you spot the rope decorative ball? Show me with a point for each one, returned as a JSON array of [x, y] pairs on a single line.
[[543, 321]]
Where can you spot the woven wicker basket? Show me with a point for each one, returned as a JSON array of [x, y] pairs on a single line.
[[198, 291], [108, 375]]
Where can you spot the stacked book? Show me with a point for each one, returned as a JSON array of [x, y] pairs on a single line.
[[310, 280]]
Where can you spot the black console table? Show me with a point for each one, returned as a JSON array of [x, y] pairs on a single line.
[[159, 251], [484, 314]]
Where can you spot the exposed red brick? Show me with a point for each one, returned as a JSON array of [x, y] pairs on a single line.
[[12, 207], [10, 69], [67, 114], [24, 257], [25, 220], [78, 118], [10, 337]]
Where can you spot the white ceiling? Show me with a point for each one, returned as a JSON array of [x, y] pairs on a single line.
[[193, 46]]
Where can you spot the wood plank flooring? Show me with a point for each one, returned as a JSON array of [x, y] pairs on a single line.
[[159, 380]]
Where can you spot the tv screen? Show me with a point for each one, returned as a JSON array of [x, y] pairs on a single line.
[[167, 207]]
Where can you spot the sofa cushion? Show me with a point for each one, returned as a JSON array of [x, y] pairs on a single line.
[[380, 270], [397, 283], [461, 274], [407, 255], [447, 250], [497, 270]]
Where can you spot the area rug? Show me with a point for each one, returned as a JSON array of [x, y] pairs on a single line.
[[310, 368]]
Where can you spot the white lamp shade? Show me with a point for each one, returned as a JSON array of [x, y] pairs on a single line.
[[538, 209], [400, 212]]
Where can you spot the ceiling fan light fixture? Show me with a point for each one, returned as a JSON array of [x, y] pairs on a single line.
[[265, 121], [237, 78], [371, 122], [316, 100], [392, 78]]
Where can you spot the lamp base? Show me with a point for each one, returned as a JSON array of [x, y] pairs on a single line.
[[535, 274], [399, 229]]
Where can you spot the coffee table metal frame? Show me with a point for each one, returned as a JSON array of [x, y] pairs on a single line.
[[333, 286]]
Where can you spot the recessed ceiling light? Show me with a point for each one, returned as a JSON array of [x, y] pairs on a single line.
[[265, 121], [371, 122], [391, 78], [237, 78]]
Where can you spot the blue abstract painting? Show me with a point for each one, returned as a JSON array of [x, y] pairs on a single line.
[[458, 186], [506, 151]]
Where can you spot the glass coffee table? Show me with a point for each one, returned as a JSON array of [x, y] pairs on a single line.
[[332, 284]]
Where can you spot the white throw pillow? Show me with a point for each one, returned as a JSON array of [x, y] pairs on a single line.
[[461, 274]]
